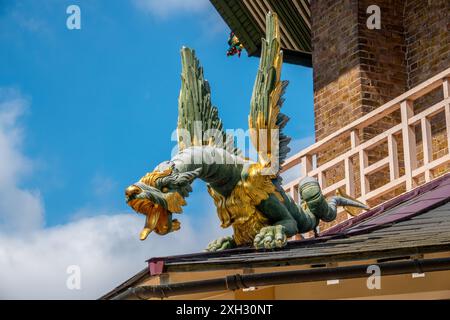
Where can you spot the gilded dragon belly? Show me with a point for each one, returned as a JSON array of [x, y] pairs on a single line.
[[239, 209]]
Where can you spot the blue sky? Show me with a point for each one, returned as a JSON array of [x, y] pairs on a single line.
[[101, 102], [104, 98]]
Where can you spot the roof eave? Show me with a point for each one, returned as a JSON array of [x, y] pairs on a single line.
[[237, 17]]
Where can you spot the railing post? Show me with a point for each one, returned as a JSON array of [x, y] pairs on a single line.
[[393, 158], [409, 142], [349, 177], [306, 165], [348, 166], [354, 138], [321, 177], [427, 146], [294, 193], [446, 87], [363, 161]]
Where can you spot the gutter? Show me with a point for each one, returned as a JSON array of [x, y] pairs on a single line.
[[239, 281]]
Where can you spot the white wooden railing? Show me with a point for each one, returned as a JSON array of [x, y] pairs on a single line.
[[360, 149]]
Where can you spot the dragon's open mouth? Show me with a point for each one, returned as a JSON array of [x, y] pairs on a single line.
[[157, 218]]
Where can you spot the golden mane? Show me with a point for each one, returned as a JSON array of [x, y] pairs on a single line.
[[151, 177]]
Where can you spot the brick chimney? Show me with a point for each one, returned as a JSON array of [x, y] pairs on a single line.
[[357, 69]]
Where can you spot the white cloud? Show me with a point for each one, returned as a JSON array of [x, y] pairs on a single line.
[[12, 106], [34, 260], [106, 248], [166, 8], [20, 209]]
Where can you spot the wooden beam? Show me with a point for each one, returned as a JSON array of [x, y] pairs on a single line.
[[333, 187], [429, 112], [377, 166], [432, 165], [386, 188]]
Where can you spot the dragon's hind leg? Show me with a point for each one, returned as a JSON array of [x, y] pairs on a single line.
[[282, 224], [314, 201]]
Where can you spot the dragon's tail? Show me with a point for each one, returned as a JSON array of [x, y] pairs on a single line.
[[314, 200]]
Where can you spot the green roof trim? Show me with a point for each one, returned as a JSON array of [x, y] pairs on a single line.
[[239, 20], [294, 16]]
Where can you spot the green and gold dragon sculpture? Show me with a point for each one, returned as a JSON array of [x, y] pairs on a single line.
[[248, 195]]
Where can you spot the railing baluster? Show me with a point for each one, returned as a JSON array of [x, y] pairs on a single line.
[[393, 158], [348, 166], [427, 146], [447, 124], [354, 138], [293, 193], [409, 142], [349, 177], [321, 177], [363, 161], [446, 87], [306, 165]]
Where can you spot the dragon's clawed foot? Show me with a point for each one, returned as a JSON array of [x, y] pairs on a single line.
[[221, 244], [271, 237]]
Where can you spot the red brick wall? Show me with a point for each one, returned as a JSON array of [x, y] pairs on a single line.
[[382, 54], [337, 85], [355, 69], [427, 34]]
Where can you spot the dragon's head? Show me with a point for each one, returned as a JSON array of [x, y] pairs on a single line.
[[158, 194]]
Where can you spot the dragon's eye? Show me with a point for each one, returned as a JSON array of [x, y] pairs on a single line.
[[165, 189]]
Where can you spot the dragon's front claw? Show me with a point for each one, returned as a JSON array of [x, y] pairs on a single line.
[[221, 244], [271, 237]]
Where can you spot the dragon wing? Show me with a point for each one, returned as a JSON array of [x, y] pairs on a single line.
[[265, 120], [198, 120]]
